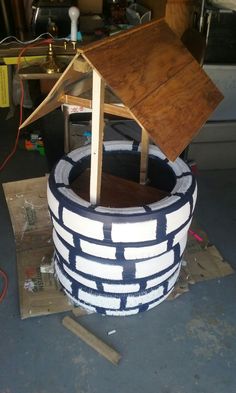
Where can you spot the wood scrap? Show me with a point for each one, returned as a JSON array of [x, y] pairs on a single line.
[[81, 65], [89, 338]]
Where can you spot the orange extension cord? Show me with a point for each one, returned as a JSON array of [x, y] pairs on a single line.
[[11, 154], [5, 285], [47, 41]]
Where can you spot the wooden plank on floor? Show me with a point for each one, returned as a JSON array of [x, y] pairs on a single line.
[[94, 342]]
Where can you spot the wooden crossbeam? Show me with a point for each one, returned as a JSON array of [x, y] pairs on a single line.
[[112, 109]]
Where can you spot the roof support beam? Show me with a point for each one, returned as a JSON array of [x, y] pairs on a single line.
[[112, 109], [144, 157]]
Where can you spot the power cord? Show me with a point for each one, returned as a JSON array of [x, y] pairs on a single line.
[[47, 41], [15, 39], [5, 285], [3, 275]]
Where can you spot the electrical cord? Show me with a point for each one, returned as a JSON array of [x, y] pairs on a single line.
[[2, 42], [5, 285], [11, 154], [3, 275]]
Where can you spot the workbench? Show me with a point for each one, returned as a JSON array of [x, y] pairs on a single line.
[[30, 63]]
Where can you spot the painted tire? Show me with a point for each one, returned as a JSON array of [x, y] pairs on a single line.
[[116, 304], [102, 249], [100, 273]]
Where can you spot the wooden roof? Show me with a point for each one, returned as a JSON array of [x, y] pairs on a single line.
[[156, 78]]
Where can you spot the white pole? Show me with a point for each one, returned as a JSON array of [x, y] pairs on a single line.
[[97, 137]]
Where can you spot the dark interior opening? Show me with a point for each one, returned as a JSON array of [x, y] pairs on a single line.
[[120, 180]]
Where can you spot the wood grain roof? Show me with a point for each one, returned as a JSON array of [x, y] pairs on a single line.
[[158, 80]]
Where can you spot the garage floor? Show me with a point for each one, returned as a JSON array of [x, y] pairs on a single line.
[[187, 345]]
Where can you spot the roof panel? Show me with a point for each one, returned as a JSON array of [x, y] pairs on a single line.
[[174, 114], [155, 76], [140, 61]]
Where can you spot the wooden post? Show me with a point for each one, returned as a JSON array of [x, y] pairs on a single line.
[[66, 129], [94, 342], [97, 137], [144, 157]]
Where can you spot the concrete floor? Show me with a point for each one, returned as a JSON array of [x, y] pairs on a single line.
[[187, 345]]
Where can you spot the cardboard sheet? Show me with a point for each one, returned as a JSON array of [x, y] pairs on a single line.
[[39, 293], [202, 261]]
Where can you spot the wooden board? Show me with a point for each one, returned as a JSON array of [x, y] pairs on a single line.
[[112, 109], [118, 192], [139, 61], [157, 7], [155, 77], [36, 72], [94, 342], [179, 15], [182, 107], [146, 67]]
